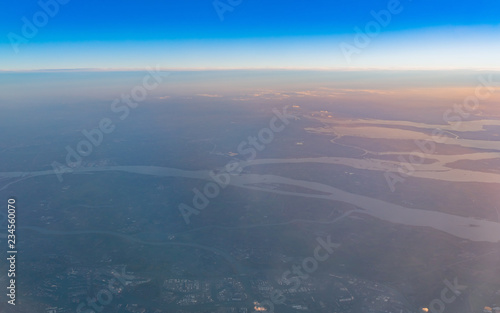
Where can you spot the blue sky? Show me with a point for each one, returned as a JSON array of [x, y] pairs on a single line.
[[252, 34]]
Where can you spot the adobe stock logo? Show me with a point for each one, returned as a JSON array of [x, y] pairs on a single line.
[[372, 29], [222, 7], [323, 251], [221, 179], [105, 296], [48, 9], [452, 117], [447, 296], [107, 125]]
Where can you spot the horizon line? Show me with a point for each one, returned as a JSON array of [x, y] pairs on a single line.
[[199, 69]]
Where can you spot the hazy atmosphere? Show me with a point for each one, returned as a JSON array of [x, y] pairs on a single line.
[[238, 156]]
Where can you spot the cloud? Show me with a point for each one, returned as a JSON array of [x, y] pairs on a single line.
[[209, 95]]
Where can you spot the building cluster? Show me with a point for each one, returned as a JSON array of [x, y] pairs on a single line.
[[338, 293], [185, 292]]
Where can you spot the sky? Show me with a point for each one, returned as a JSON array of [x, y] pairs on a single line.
[[241, 34]]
